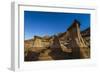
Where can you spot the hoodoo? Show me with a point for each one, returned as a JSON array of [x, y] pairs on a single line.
[[77, 43]]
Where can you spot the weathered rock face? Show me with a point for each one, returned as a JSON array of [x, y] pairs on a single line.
[[55, 43], [77, 43], [72, 44], [86, 36], [44, 55], [57, 51], [37, 42]]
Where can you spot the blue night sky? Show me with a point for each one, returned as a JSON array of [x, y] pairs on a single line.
[[50, 23]]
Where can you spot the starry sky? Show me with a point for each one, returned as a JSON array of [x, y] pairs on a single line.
[[50, 23]]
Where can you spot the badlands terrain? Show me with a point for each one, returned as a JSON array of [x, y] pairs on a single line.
[[70, 44]]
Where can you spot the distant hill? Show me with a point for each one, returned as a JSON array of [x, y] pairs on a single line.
[[86, 32]]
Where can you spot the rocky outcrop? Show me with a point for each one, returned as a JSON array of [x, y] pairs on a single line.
[[77, 43], [86, 36]]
